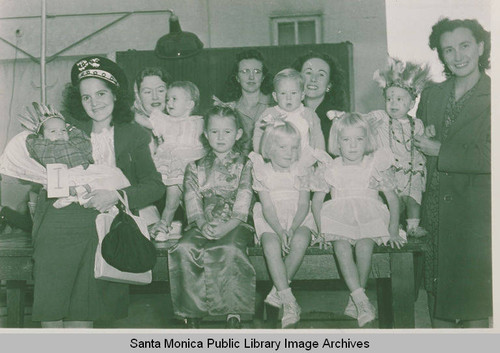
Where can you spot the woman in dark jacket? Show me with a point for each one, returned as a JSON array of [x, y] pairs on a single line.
[[66, 294], [457, 204]]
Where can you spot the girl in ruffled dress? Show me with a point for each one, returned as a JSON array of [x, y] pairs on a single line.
[[283, 221], [356, 216]]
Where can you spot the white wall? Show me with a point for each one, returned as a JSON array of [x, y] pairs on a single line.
[[218, 23], [409, 24]]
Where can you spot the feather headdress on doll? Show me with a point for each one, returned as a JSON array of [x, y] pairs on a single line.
[[33, 119], [409, 76]]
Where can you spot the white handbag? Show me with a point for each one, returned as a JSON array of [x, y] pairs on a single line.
[[103, 270], [150, 214]]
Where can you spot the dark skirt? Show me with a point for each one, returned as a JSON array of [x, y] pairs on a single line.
[[212, 277], [65, 241]]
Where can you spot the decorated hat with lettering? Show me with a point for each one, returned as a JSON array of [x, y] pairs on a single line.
[[98, 67]]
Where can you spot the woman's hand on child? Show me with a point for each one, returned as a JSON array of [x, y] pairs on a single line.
[[430, 131], [427, 145], [101, 200]]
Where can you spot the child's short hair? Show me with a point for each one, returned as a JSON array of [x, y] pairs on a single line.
[[190, 88], [350, 120], [272, 133], [290, 74]]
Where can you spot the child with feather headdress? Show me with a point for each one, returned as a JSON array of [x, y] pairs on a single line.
[[402, 83], [49, 139]]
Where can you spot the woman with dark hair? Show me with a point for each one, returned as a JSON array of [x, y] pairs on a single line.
[[66, 294], [457, 202], [248, 89], [324, 88], [150, 88]]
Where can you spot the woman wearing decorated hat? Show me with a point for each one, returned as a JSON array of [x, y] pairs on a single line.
[[66, 294]]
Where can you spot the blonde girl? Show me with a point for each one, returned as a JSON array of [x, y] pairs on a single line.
[[283, 222], [356, 217]]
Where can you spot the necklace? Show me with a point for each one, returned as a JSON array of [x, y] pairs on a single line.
[[409, 146], [407, 143]]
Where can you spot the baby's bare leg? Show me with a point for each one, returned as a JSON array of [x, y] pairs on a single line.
[[172, 202], [412, 207]]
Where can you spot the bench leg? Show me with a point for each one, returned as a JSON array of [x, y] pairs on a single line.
[[403, 290], [384, 303], [15, 303], [418, 262]]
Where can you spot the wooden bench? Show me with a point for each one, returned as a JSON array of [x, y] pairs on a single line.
[[392, 269]]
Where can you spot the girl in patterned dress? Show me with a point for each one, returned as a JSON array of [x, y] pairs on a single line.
[[210, 272], [356, 216], [283, 221]]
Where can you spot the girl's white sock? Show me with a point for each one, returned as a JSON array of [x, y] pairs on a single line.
[[358, 295], [286, 295]]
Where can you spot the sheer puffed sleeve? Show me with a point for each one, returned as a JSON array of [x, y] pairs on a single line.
[[317, 182], [259, 172], [383, 177]]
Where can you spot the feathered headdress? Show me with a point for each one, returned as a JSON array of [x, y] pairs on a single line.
[[33, 120], [409, 76]]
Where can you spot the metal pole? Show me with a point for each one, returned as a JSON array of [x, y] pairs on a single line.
[[42, 51]]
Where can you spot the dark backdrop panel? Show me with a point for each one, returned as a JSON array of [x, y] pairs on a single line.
[[210, 69]]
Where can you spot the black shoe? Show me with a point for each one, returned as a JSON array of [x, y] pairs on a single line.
[[192, 323], [233, 323]]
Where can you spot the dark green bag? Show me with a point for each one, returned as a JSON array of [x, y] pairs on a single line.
[[126, 246]]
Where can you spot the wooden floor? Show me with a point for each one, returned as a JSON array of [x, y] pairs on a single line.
[[322, 304]]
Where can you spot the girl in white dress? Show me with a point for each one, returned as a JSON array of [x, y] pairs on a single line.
[[283, 221], [356, 216]]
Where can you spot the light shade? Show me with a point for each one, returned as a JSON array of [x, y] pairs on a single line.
[[177, 44]]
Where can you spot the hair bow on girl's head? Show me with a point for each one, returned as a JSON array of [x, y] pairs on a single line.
[[272, 120], [334, 114], [218, 103]]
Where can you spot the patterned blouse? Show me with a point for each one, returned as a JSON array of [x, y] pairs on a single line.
[[218, 190]]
